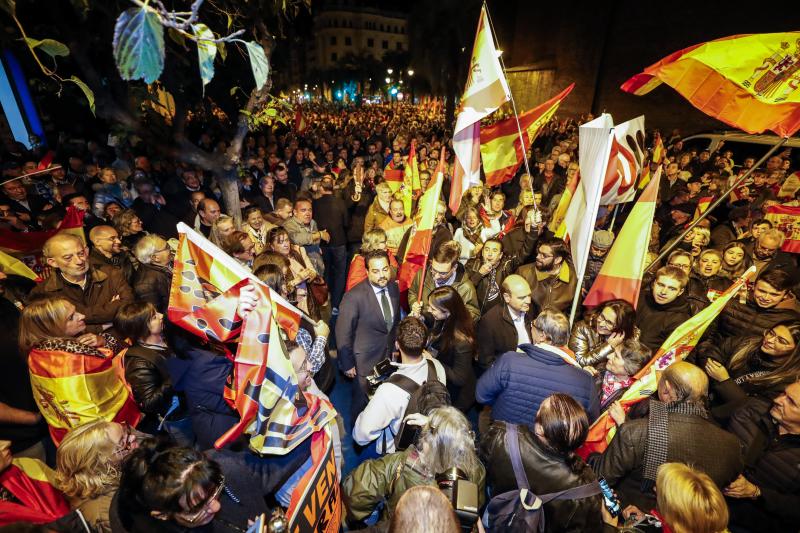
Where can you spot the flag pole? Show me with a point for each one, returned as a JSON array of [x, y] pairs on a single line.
[[716, 202], [513, 105]]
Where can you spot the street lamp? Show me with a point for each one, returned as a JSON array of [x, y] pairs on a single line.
[[388, 80], [410, 72], [389, 71]]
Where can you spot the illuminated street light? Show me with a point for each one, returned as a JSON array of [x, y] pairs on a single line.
[[388, 70], [410, 72], [388, 80]]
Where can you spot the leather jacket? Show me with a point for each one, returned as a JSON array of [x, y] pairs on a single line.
[[589, 347]]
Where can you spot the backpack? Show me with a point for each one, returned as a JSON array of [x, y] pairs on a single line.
[[424, 398], [520, 510]]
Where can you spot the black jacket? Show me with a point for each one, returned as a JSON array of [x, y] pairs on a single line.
[[121, 262], [656, 322], [146, 373], [771, 462], [151, 283], [457, 363], [330, 212], [497, 334], [546, 473], [746, 319]]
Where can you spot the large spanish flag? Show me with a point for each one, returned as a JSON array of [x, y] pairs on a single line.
[[32, 483], [621, 273], [411, 183], [677, 346], [748, 81], [72, 388], [786, 219], [501, 150], [419, 244]]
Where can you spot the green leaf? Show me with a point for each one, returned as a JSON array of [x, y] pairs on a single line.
[[50, 47], [86, 91], [223, 50], [258, 62], [271, 112], [139, 45], [206, 52], [177, 37], [230, 21], [233, 90]]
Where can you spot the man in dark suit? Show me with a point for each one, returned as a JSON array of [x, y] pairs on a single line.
[[504, 327], [367, 323], [26, 206]]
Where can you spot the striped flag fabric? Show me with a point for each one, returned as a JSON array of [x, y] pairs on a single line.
[[621, 273], [300, 123], [485, 91], [787, 219], [501, 150], [32, 483], [411, 183], [556, 224], [748, 81], [702, 206], [676, 348]]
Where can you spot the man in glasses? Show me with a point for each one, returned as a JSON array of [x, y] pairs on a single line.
[[107, 251], [551, 277]]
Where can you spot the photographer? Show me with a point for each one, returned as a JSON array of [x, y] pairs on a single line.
[[445, 442]]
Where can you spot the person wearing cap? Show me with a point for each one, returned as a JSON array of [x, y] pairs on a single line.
[[601, 244]]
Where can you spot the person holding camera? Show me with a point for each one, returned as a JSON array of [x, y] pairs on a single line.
[[381, 419], [444, 450]]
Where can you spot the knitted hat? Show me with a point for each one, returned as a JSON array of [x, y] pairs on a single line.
[[602, 239]]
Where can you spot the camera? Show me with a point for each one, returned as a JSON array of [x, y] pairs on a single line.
[[380, 373], [463, 496]]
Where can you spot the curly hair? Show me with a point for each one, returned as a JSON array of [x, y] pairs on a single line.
[[85, 465]]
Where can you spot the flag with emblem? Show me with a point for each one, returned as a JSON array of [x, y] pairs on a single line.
[[33, 486], [624, 162], [676, 348], [787, 219]]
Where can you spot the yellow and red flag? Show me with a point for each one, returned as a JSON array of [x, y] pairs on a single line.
[[32, 483], [485, 91], [411, 183], [74, 387], [702, 206], [300, 123], [677, 346], [786, 219], [316, 503], [501, 150], [748, 81], [557, 218], [621, 273], [659, 152], [419, 244]]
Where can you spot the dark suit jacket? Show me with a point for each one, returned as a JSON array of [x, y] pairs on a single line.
[[497, 334], [361, 336]]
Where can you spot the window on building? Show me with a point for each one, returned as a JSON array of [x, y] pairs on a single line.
[[399, 46], [334, 56], [333, 40], [385, 45], [335, 23], [402, 29], [381, 27], [348, 41], [396, 30], [370, 43]]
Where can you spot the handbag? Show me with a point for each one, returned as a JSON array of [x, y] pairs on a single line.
[[319, 290]]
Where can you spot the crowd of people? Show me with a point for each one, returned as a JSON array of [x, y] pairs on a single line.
[[472, 379]]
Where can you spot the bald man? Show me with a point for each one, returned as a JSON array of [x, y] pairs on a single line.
[[96, 293], [677, 429], [208, 211], [506, 326], [107, 251]]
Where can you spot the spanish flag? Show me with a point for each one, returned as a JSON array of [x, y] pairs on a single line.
[[677, 346], [32, 483], [501, 151], [786, 219], [74, 386], [411, 183], [747, 81], [621, 273], [702, 206]]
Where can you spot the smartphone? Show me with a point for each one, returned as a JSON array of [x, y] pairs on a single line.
[[407, 436]]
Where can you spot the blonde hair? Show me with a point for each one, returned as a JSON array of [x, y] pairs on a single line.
[[421, 509], [382, 186], [122, 222], [689, 500], [447, 441], [85, 465], [371, 238], [41, 320], [705, 232], [215, 237]]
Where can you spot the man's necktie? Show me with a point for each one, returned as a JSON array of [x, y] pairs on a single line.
[[387, 309]]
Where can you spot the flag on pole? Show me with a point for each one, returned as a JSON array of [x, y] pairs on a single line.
[[595, 139], [621, 273], [677, 346], [747, 81], [702, 206], [556, 224], [659, 152], [33, 484], [786, 219], [12, 265], [300, 123], [485, 91], [419, 243], [624, 162], [501, 150], [411, 183]]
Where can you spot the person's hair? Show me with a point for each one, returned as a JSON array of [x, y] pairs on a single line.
[[735, 244], [774, 234], [274, 234], [458, 326], [758, 222], [778, 279], [677, 375], [249, 210], [422, 509], [301, 200], [122, 221], [132, 320], [554, 325], [708, 251], [634, 356], [85, 465], [215, 236], [689, 500], [470, 210], [705, 232], [67, 198], [558, 246], [264, 179], [375, 254], [42, 319], [204, 203], [382, 186], [448, 252], [282, 203], [741, 212], [370, 240], [272, 275], [268, 257], [147, 246], [47, 249], [447, 441], [158, 476], [234, 243], [564, 425], [412, 336], [673, 272], [784, 371], [626, 316]]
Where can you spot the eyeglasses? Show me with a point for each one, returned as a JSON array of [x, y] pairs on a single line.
[[601, 319], [127, 441], [771, 335], [204, 509]]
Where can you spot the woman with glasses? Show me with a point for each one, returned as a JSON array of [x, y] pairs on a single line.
[[130, 228], [301, 267], [740, 367], [601, 331], [151, 281], [88, 466]]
